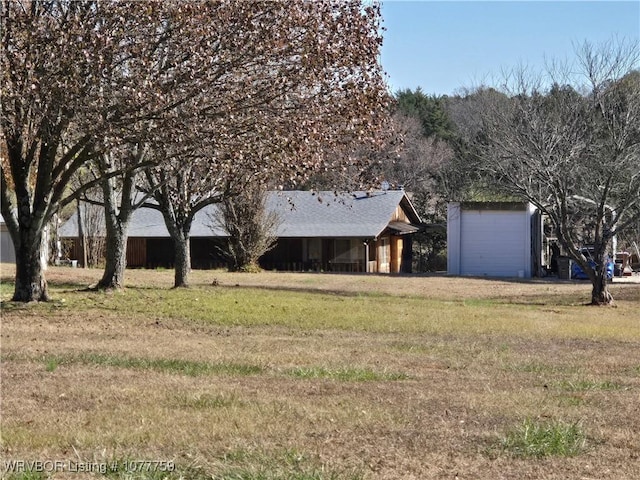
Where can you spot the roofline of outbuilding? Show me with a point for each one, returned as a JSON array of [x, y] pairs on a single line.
[[508, 206]]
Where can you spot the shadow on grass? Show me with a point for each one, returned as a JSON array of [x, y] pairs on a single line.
[[541, 300], [538, 300], [621, 291]]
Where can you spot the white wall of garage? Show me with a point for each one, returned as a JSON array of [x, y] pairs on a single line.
[[492, 239]]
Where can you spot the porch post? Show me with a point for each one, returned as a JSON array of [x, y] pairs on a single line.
[[366, 256]]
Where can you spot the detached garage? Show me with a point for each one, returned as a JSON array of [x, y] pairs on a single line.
[[493, 239]]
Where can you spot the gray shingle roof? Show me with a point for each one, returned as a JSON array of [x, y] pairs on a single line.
[[326, 214], [301, 214]]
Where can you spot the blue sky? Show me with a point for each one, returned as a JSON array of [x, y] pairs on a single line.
[[442, 46]]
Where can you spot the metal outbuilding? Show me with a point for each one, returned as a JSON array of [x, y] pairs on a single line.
[[494, 239]]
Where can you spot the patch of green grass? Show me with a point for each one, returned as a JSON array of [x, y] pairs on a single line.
[[52, 364], [33, 308], [345, 374], [538, 367], [587, 385], [6, 289], [232, 305], [183, 367], [543, 439], [480, 302]]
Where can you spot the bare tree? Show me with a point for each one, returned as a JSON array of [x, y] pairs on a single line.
[[460, 179], [250, 227], [418, 160], [572, 149]]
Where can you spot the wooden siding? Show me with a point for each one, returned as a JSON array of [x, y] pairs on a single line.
[[287, 255], [136, 252], [400, 215], [71, 246]]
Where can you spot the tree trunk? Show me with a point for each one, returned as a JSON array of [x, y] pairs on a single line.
[[600, 294], [118, 211], [182, 245], [179, 228], [31, 285], [82, 239], [178, 217], [116, 256]]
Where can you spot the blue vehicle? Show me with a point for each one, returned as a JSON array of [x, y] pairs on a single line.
[[587, 252]]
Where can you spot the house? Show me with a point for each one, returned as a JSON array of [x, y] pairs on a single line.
[[320, 231], [496, 239], [353, 232]]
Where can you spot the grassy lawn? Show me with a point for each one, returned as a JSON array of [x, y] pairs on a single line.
[[317, 376]]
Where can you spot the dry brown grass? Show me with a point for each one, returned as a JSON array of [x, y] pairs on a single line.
[[479, 357]]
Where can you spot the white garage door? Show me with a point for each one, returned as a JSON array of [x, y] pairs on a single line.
[[494, 243]]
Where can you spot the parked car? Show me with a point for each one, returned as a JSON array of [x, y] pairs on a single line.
[[587, 252]]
